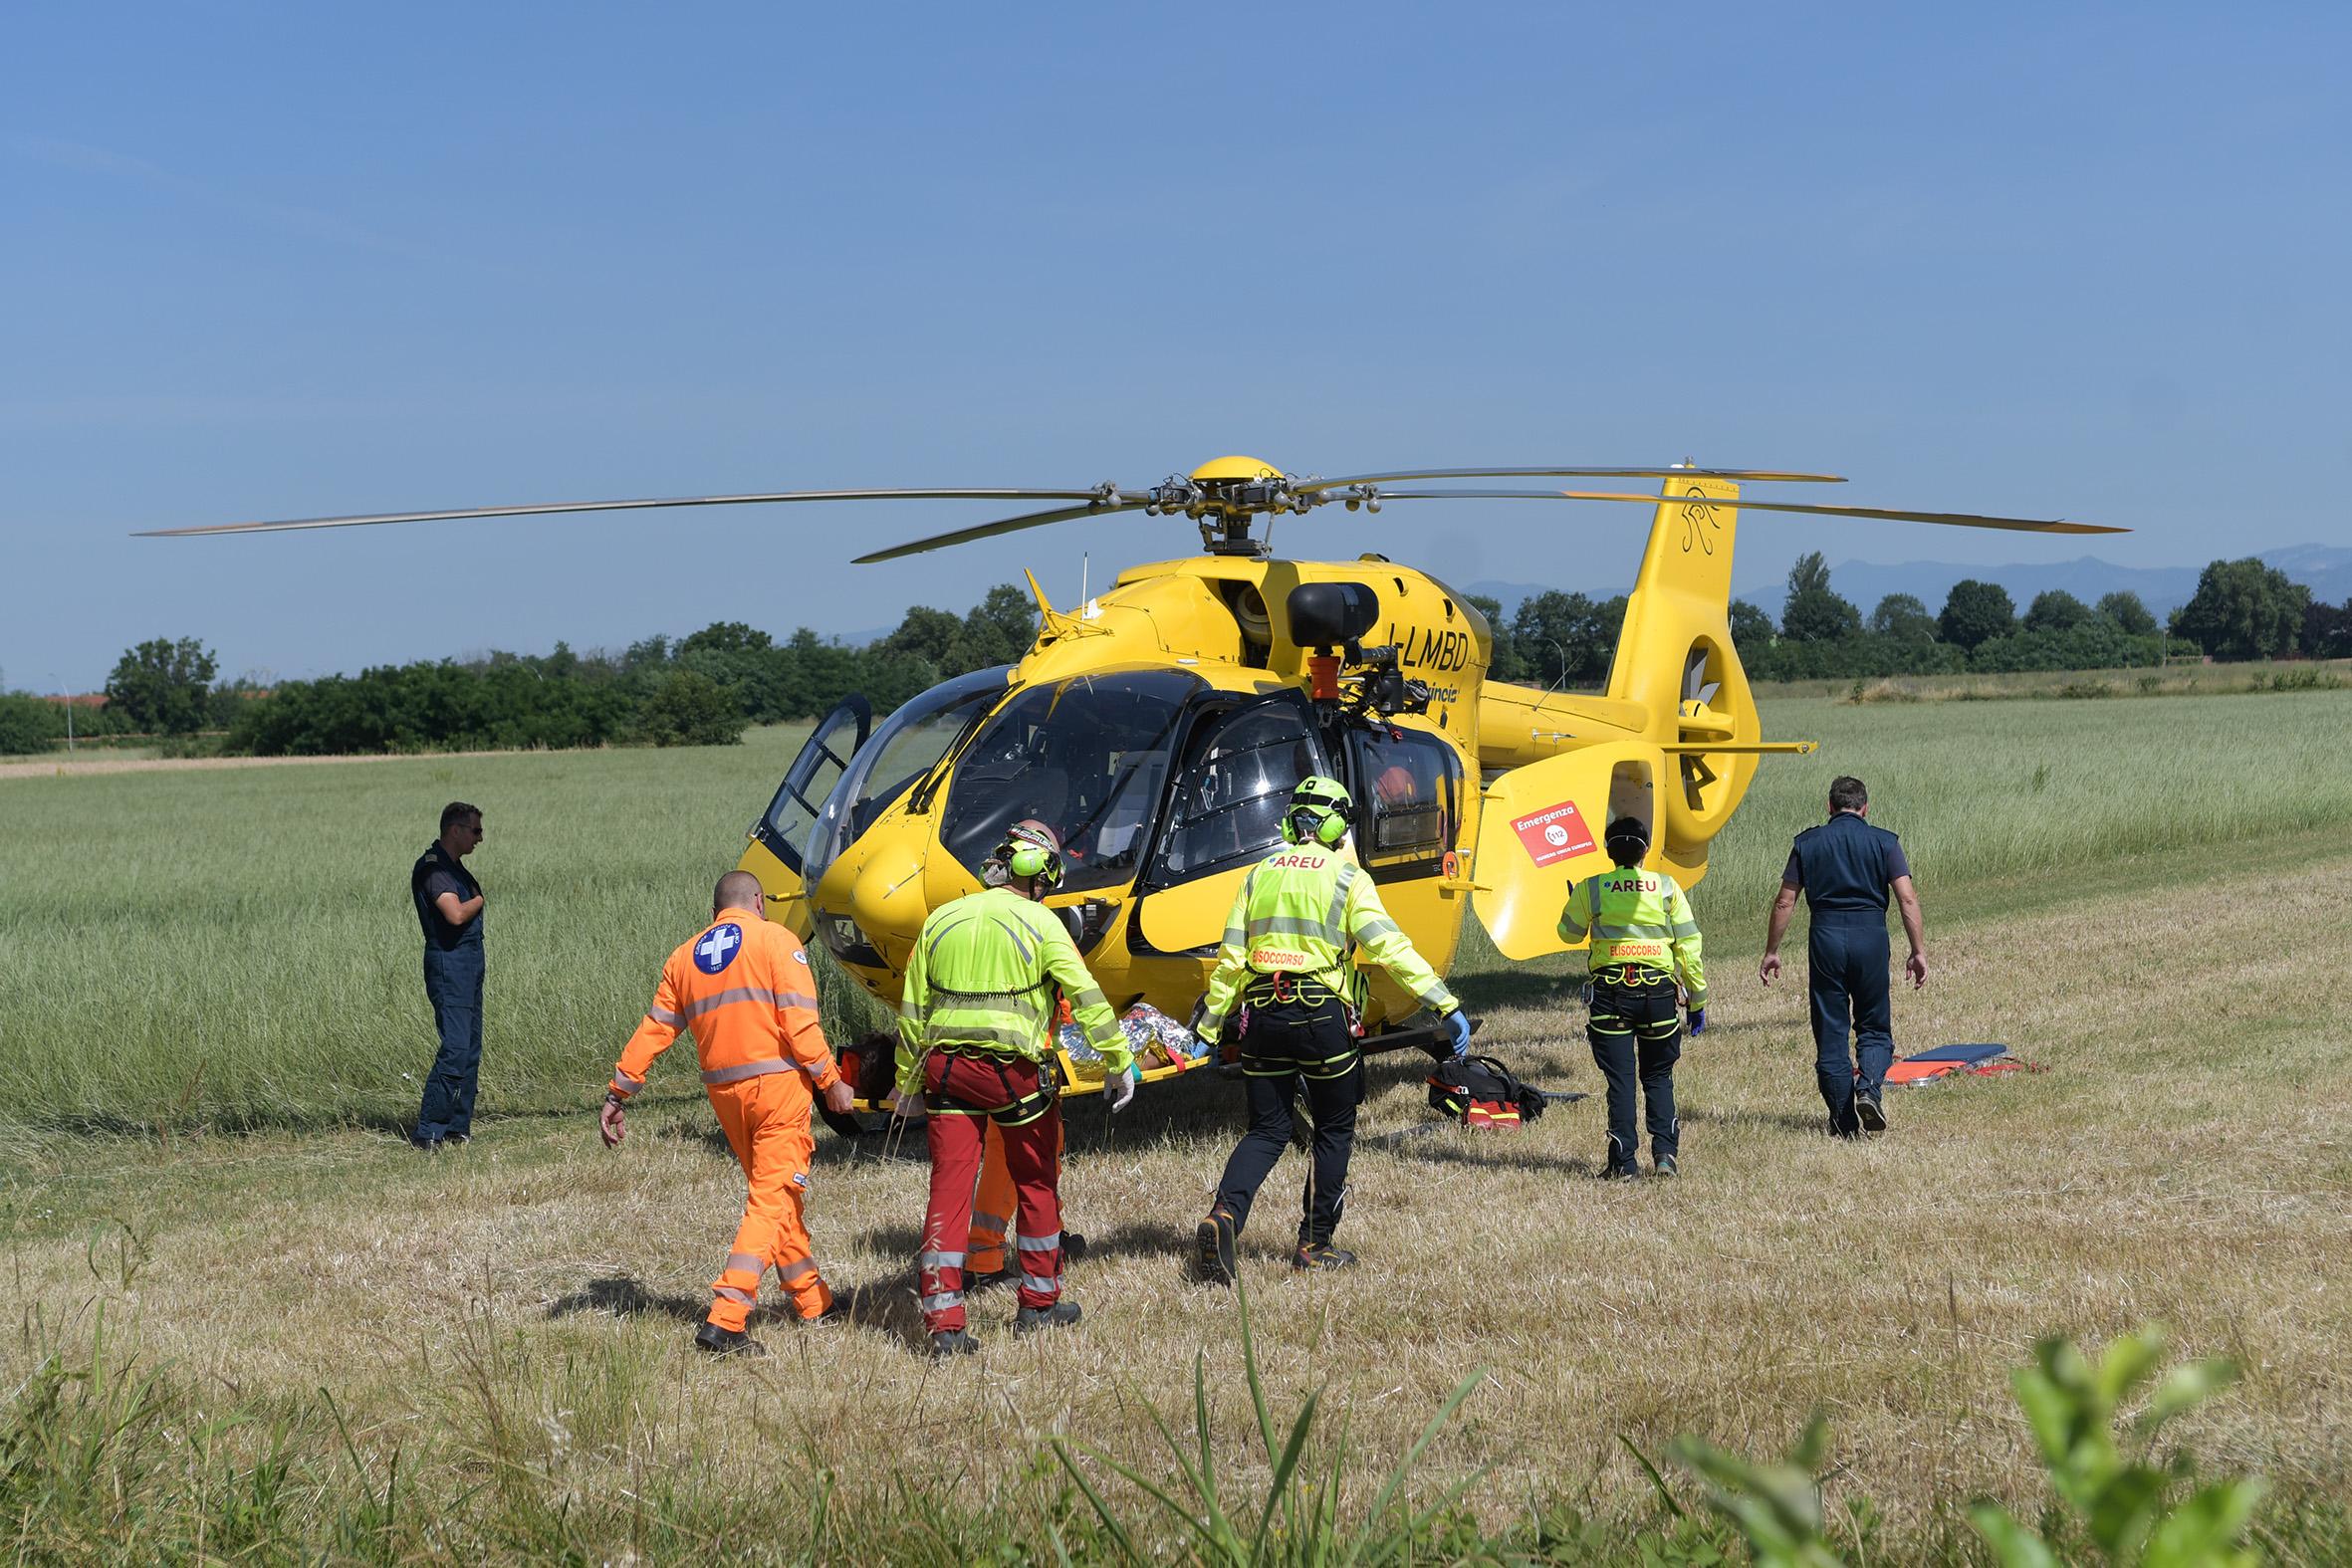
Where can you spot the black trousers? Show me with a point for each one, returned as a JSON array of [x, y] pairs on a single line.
[[1285, 1046], [1636, 1035], [1847, 956]]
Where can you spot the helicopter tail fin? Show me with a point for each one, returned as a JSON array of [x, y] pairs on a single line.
[[1675, 661]]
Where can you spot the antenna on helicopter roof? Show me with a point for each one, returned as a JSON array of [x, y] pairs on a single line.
[[1087, 608]]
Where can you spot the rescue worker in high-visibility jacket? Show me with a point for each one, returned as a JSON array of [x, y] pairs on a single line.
[[996, 1198], [976, 1042], [743, 986], [1286, 966], [1643, 937]]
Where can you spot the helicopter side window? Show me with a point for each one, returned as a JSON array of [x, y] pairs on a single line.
[[795, 822], [1407, 788], [1087, 756], [903, 748], [1237, 782]]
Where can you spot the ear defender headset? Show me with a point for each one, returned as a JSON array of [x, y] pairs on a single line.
[[1627, 833], [1029, 851], [1318, 812]]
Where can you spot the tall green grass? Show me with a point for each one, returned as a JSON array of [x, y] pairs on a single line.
[[236, 948], [1990, 791]]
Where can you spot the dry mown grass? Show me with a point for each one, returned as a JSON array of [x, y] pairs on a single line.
[[516, 1314]]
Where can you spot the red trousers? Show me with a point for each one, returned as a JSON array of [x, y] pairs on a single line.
[[965, 1094], [994, 1203]]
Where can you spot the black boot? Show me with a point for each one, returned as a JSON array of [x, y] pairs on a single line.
[[952, 1342], [1060, 1315], [1869, 1114], [1216, 1246], [1321, 1254], [728, 1341]]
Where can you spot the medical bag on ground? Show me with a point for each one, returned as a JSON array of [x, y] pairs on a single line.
[[1480, 1092]]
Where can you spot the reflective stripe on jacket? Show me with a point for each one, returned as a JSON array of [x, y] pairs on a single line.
[[744, 988], [1300, 911], [1641, 918], [984, 976]]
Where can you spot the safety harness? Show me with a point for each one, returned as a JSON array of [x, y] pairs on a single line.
[[1480, 1092]]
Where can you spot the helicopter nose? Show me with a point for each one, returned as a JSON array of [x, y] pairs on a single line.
[[886, 901]]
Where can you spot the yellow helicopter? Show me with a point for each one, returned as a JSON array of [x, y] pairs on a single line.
[[1159, 728]]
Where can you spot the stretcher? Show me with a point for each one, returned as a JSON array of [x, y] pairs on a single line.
[[1944, 1061], [1083, 1076]]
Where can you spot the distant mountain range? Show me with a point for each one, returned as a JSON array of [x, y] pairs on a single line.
[[2327, 570]]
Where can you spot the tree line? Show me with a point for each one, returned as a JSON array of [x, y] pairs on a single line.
[[2242, 609], [703, 688], [706, 688]]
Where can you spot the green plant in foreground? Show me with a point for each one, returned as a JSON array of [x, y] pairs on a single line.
[[1777, 1508], [1298, 1520], [2119, 1503], [2101, 1468]]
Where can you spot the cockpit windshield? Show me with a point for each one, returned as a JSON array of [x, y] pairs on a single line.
[[1086, 756], [916, 735]]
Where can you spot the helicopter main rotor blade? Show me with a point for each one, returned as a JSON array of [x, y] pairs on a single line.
[[552, 508], [1750, 475], [1952, 518], [965, 536]]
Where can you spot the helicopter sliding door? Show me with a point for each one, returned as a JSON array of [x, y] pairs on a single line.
[[779, 853], [1408, 790], [1234, 782]]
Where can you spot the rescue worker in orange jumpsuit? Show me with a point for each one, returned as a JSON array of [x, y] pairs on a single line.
[[743, 987], [976, 1037]]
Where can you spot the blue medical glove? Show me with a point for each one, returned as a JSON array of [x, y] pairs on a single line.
[[1457, 1028], [1697, 1020]]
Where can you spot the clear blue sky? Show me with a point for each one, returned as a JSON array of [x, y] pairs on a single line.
[[282, 261]]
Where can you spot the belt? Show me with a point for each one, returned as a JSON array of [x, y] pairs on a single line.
[[1637, 975], [752, 1069]]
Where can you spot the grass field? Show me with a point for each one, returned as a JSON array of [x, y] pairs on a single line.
[[214, 1023]]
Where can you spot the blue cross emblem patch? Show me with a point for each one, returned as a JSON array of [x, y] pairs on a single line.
[[717, 948]]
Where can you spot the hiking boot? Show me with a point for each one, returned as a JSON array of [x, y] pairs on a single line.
[[1060, 1315], [425, 1145], [727, 1341], [1216, 1245], [1663, 1165], [1321, 1254], [952, 1342], [1871, 1115], [1621, 1173]]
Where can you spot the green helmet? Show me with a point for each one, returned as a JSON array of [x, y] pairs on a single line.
[[1032, 849], [1318, 812]]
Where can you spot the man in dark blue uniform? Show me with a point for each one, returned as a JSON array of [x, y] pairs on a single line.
[[449, 907], [1846, 869]]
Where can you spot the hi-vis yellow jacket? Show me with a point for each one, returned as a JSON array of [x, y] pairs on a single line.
[[1641, 918], [982, 982], [1300, 911]]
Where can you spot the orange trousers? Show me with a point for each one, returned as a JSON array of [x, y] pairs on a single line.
[[766, 1120], [993, 1202]]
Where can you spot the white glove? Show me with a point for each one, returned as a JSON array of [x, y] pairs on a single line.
[[1121, 1087]]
